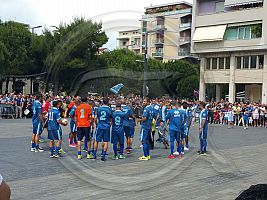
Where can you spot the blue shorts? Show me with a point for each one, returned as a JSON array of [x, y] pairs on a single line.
[[37, 128], [54, 134], [128, 132], [186, 130], [175, 135], [73, 127], [204, 134], [144, 135], [117, 137], [103, 135]]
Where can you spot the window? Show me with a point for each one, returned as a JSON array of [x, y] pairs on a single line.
[[253, 62], [231, 34], [227, 63], [214, 63], [221, 63], [261, 61], [246, 62], [238, 62], [123, 43], [243, 32], [219, 6], [208, 63]]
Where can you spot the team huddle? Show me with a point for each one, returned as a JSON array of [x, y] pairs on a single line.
[[115, 121]]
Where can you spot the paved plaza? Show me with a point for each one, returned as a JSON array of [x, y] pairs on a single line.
[[236, 159]]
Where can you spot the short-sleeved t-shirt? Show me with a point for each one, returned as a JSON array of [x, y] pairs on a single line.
[[83, 114], [53, 118], [104, 115]]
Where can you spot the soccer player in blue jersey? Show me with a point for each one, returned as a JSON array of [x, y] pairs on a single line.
[[175, 121], [117, 132], [54, 129], [203, 129], [127, 126], [188, 121], [104, 116], [183, 134], [146, 120], [37, 122], [73, 126]]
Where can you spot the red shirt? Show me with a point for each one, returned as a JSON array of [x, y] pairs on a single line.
[[45, 106]]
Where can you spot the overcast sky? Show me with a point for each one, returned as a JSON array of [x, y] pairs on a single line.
[[114, 14]]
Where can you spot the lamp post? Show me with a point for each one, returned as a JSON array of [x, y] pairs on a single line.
[[32, 28]]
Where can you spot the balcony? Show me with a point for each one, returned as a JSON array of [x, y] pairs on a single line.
[[157, 54], [185, 25], [185, 39], [159, 41], [159, 28], [136, 46], [144, 29], [184, 53]]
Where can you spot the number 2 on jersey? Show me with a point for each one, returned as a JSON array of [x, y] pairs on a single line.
[[103, 115]]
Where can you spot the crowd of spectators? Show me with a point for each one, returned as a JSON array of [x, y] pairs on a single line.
[[239, 113]]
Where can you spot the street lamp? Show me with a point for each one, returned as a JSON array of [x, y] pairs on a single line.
[[35, 27]]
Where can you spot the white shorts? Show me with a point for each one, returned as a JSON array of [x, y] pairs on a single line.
[[255, 116]]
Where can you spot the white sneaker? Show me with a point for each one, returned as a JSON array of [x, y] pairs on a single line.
[[39, 150], [182, 152], [186, 149], [141, 146], [32, 149], [176, 153]]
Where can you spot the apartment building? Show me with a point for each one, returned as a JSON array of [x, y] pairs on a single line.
[[168, 29], [130, 39], [230, 38]]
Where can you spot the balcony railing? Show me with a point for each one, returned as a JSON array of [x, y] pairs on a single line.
[[186, 25], [157, 54], [159, 41], [184, 53], [185, 39], [159, 27], [144, 29]]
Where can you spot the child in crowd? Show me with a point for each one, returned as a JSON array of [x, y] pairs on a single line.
[[216, 117], [245, 119], [250, 121], [162, 132]]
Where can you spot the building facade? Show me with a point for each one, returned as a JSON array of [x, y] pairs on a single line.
[[130, 39], [168, 29], [230, 38]]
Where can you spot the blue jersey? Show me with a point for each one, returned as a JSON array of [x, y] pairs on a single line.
[[117, 121], [72, 112], [204, 115], [189, 116], [156, 110], [37, 110], [148, 113], [128, 114], [175, 117], [53, 117], [104, 114]]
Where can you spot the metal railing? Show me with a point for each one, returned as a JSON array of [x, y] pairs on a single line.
[[159, 41], [186, 25], [157, 54], [184, 39]]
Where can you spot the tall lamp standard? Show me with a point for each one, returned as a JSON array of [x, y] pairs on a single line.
[[32, 28]]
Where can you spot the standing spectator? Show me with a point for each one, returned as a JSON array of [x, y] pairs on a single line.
[[19, 103], [261, 119]]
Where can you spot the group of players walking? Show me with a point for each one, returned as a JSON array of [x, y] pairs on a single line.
[[114, 121]]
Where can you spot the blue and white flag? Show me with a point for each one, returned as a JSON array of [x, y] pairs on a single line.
[[115, 89]]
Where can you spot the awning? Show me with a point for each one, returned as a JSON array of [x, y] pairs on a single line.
[[209, 34], [229, 3]]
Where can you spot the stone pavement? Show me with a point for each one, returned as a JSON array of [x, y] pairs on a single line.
[[236, 159]]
